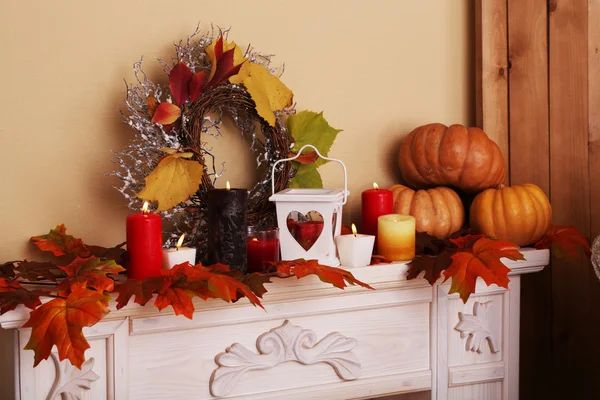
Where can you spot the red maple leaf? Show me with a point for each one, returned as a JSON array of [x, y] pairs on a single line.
[[142, 290], [59, 243], [335, 276], [32, 270], [432, 265], [179, 83], [89, 272], [256, 283], [7, 270], [12, 294], [565, 242], [375, 259], [179, 285], [482, 260], [61, 321]]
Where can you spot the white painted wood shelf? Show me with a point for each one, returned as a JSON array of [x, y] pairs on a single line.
[[313, 342]]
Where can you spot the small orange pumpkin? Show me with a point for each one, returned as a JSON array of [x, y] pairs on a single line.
[[438, 211], [519, 213], [439, 155]]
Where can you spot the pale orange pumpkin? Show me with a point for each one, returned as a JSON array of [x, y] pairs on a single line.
[[439, 155], [519, 213], [438, 211]]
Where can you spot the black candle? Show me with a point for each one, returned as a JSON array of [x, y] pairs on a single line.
[[227, 227]]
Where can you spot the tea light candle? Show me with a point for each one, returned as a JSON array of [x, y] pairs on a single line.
[[178, 255], [396, 237], [355, 250]]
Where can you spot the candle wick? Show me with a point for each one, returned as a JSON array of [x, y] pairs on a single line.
[[177, 249]]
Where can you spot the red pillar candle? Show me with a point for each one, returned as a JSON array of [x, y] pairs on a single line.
[[144, 244], [375, 203]]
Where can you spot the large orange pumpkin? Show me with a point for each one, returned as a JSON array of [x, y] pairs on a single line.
[[438, 211], [439, 155], [520, 213]]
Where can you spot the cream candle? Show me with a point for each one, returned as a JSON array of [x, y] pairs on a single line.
[[178, 255], [396, 237], [355, 250]]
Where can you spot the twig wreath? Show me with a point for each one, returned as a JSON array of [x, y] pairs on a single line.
[[169, 160]]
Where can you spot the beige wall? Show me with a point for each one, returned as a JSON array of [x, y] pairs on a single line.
[[377, 68]]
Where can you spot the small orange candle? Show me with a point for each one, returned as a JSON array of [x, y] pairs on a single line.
[[396, 237]]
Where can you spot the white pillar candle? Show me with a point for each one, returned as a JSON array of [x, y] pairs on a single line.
[[355, 250], [178, 255]]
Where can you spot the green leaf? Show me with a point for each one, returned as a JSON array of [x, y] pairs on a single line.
[[308, 127], [307, 176]]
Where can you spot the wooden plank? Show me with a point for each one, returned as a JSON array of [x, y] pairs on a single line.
[[593, 391], [491, 71], [574, 353], [529, 134], [594, 113]]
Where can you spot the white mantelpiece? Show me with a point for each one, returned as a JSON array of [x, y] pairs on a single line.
[[314, 341]]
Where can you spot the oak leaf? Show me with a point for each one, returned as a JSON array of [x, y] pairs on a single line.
[[12, 294], [173, 181], [89, 272], [61, 321], [565, 242], [482, 260], [166, 113], [332, 275], [180, 77], [59, 243]]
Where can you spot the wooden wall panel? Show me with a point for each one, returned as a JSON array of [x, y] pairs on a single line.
[[529, 135], [594, 113], [575, 353], [491, 72]]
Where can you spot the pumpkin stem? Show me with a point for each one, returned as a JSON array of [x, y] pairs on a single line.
[[501, 186]]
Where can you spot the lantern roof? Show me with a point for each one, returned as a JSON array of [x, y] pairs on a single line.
[[309, 195]]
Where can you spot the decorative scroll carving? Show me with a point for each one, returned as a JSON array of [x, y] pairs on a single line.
[[476, 327], [285, 343], [69, 378]]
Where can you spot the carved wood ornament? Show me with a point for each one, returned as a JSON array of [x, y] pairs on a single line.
[[476, 327], [284, 343], [69, 379]]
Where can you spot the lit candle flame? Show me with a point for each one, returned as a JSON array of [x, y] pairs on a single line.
[[255, 239], [145, 208], [354, 230], [375, 186], [180, 241], [228, 186]]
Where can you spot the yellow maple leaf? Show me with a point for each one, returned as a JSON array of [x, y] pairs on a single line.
[[267, 90], [173, 180], [238, 57]]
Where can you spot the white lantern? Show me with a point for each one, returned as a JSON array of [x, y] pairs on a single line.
[[309, 220]]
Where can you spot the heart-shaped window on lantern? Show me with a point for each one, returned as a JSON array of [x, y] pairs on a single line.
[[305, 228]]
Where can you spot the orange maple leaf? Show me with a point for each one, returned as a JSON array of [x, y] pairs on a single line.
[[59, 243], [565, 242], [335, 276], [142, 290], [89, 272], [481, 260], [60, 322]]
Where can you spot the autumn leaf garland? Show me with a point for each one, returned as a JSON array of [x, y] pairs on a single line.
[[84, 277]]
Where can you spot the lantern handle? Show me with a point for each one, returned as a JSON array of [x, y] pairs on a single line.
[[321, 156]]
